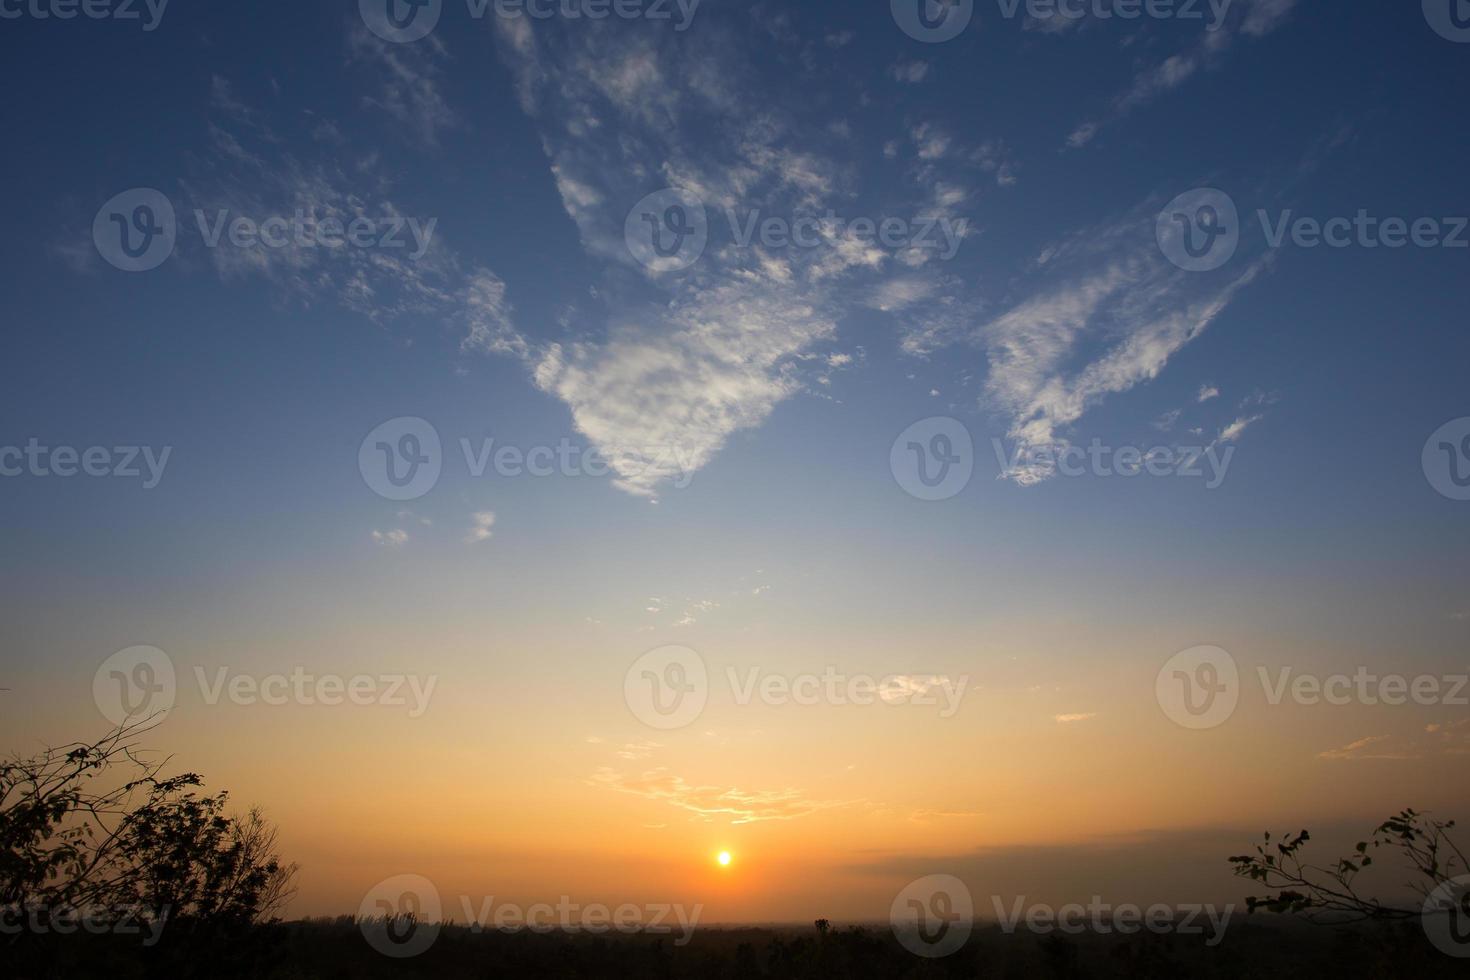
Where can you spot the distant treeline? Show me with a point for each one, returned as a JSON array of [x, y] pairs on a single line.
[[335, 948]]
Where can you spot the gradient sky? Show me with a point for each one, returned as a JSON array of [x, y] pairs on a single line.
[[783, 375]]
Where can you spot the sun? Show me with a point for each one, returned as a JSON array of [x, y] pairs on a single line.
[[724, 858]]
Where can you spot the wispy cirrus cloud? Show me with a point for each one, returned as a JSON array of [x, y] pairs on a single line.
[[405, 271], [739, 806], [672, 377], [1437, 739], [1099, 313], [411, 78], [1253, 18]]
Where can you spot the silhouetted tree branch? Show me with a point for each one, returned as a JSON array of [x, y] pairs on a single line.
[[1328, 893], [96, 826]]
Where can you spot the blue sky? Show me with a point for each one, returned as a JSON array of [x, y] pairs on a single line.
[[780, 376], [260, 372]]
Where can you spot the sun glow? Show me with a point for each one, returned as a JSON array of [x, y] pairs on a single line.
[[724, 858]]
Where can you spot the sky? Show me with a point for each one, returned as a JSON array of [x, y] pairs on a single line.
[[818, 432]]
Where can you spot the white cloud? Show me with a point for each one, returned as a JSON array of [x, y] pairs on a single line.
[[909, 72], [391, 539], [671, 381], [481, 527], [1233, 431], [1206, 392], [900, 294], [487, 315], [931, 142]]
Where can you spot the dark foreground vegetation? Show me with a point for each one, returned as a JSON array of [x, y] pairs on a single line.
[[336, 949]]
